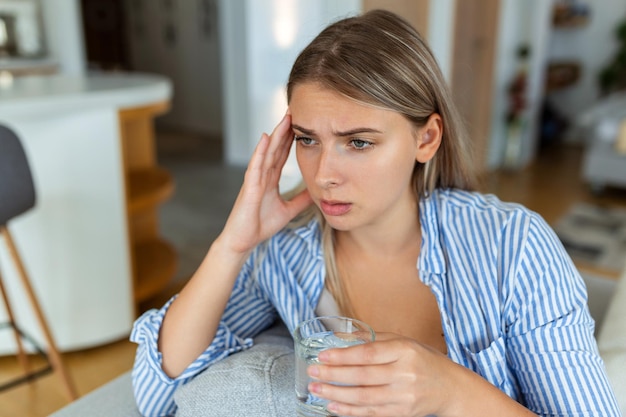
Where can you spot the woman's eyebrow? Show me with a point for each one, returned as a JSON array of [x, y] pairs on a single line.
[[303, 130], [350, 132], [356, 131]]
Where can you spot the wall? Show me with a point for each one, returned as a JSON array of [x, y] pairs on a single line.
[[64, 36], [519, 22], [441, 33], [254, 100], [260, 41], [27, 25], [179, 39], [524, 22], [530, 21], [200, 70], [593, 45]]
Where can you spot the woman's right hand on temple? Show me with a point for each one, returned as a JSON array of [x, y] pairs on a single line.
[[259, 211]]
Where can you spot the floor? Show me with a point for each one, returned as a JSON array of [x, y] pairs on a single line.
[[205, 191]]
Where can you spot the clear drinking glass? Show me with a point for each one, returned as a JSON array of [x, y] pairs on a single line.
[[310, 338]]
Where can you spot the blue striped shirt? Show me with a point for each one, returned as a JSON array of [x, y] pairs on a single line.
[[513, 306]]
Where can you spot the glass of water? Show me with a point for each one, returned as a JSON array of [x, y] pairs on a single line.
[[310, 338]]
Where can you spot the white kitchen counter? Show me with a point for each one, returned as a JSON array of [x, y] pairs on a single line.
[[31, 95], [75, 242]]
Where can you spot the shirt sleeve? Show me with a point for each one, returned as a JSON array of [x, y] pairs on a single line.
[[247, 313], [550, 336]]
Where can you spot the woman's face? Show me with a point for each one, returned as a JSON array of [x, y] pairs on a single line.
[[356, 160]]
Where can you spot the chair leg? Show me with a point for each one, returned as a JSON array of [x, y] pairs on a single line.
[[22, 357], [53, 352]]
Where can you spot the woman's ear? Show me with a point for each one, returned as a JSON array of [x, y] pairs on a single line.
[[429, 138]]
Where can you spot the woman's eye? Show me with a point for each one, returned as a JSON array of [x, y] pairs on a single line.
[[360, 144], [304, 140]]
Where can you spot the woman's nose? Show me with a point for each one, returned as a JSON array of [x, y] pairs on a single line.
[[328, 174]]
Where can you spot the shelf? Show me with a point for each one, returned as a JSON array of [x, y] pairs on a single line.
[[562, 75], [155, 266], [571, 22], [148, 187], [570, 15]]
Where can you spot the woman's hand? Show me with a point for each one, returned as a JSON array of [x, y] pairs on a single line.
[[397, 376], [259, 211], [393, 376]]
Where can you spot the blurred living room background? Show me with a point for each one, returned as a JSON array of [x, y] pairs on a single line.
[[540, 83]]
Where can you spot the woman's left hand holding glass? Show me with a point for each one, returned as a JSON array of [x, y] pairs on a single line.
[[397, 376], [394, 376]]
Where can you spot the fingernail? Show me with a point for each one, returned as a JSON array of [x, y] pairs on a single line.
[[315, 388], [314, 371]]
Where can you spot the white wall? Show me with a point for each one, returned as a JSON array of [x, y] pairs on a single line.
[[441, 33], [521, 22], [64, 35], [244, 23], [260, 39], [531, 21], [593, 45], [256, 63]]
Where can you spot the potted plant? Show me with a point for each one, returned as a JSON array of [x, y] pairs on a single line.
[[613, 77]]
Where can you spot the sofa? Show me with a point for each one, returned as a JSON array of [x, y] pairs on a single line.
[[612, 342], [270, 363]]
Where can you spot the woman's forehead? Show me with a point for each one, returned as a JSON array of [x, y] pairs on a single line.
[[315, 107]]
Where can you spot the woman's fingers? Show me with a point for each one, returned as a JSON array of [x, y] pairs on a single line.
[[378, 352], [354, 375], [280, 142], [259, 210], [360, 401], [258, 156], [393, 376], [270, 154]]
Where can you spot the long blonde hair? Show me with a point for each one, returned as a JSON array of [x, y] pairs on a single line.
[[379, 59]]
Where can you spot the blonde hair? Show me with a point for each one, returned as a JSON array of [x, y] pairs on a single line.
[[379, 59]]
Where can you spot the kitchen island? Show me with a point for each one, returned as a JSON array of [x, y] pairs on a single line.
[[91, 243]]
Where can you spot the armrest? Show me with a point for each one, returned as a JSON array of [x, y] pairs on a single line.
[[612, 334], [612, 342]]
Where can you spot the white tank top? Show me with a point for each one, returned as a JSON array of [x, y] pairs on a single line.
[[327, 305]]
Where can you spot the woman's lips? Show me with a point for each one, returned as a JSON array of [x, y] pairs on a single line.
[[334, 208]]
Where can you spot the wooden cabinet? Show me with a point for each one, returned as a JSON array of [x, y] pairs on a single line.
[[147, 185]]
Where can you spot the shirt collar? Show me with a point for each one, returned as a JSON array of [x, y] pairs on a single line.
[[431, 258]]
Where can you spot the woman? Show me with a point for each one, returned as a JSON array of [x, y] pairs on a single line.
[[492, 321]]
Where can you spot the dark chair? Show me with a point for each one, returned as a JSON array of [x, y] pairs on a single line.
[[17, 195]]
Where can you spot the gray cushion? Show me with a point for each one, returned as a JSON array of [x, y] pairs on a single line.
[[255, 382]]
